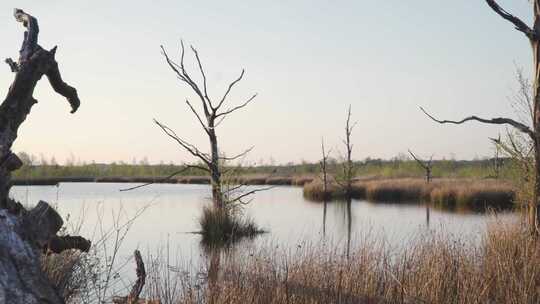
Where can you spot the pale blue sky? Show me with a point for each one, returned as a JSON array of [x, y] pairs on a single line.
[[307, 60]]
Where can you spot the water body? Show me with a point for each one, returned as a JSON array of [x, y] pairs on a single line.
[[172, 211]]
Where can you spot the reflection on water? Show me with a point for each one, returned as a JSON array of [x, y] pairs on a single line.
[[289, 218]]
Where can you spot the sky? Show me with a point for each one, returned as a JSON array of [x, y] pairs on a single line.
[[307, 60]]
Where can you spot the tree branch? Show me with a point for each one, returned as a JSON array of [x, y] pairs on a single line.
[[495, 121], [240, 197], [187, 146], [198, 117], [237, 107], [183, 75], [204, 77], [418, 160], [168, 177], [58, 244], [229, 90], [238, 155], [518, 24], [60, 87], [12, 65]]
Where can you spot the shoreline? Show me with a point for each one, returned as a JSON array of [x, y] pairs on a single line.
[[196, 180], [446, 192]]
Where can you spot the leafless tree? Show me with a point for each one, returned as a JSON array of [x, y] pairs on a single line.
[[497, 161], [324, 167], [533, 132], [425, 164], [324, 170], [348, 167], [212, 116]]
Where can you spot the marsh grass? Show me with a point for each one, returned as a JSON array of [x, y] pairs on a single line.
[[220, 227], [475, 194], [504, 267]]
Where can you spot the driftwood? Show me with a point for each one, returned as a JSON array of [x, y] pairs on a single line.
[[25, 234]]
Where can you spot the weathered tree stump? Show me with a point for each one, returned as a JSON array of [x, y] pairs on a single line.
[[133, 296], [24, 235]]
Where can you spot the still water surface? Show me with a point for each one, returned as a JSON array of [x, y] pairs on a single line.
[[291, 220]]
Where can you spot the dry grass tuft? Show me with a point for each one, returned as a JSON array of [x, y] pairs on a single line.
[[219, 227]]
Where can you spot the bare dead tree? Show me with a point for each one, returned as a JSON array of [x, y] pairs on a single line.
[[533, 35], [26, 234], [427, 165], [213, 116], [324, 167], [497, 161], [323, 164], [348, 167]]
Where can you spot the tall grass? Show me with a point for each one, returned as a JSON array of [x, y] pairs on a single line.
[[503, 268]]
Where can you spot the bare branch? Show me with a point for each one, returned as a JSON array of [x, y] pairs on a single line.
[[183, 75], [420, 162], [12, 65], [495, 121], [187, 146], [238, 155], [518, 23], [198, 117], [161, 180], [237, 107], [62, 88], [204, 77], [229, 90], [239, 198], [219, 122], [522, 100], [514, 150]]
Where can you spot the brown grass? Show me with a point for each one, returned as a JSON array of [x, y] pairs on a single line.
[[475, 194], [503, 268], [301, 180]]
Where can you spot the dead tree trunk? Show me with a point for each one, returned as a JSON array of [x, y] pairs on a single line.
[[25, 234], [133, 296], [324, 171], [213, 117], [348, 165], [426, 165], [497, 161], [533, 34]]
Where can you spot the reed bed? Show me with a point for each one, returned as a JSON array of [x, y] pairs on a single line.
[[504, 267], [450, 193]]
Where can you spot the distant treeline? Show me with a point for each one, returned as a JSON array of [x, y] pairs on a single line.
[[369, 167]]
